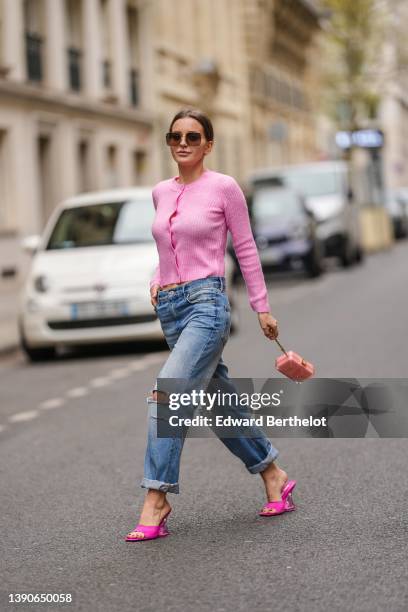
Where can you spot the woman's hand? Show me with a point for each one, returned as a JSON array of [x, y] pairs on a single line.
[[153, 294], [269, 325]]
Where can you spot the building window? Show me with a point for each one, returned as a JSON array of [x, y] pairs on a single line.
[[139, 167], [74, 37], [4, 180], [285, 96], [34, 45], [298, 98], [1, 38], [46, 174], [34, 39], [237, 152], [221, 153], [104, 27], [106, 74], [133, 54], [74, 68], [111, 167], [84, 166], [258, 82], [134, 86]]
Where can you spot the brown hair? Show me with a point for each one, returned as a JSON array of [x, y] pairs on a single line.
[[200, 117]]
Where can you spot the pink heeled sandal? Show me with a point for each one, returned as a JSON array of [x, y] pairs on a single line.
[[285, 505], [150, 532]]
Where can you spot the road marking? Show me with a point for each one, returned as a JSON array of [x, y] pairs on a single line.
[[152, 359], [119, 373], [54, 402], [101, 381], [77, 392], [23, 416], [137, 365]]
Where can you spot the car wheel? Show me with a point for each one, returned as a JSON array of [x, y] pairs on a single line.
[[399, 231], [234, 325], [314, 262], [359, 254], [236, 275], [346, 256], [234, 319], [43, 353]]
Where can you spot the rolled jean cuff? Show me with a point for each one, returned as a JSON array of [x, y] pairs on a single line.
[[270, 457], [166, 487]]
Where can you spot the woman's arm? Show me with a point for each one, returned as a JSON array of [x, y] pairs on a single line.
[[155, 280], [238, 223]]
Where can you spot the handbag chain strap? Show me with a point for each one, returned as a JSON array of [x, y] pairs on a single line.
[[280, 346]]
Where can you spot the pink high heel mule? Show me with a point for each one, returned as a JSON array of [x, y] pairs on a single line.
[[285, 505], [150, 532]]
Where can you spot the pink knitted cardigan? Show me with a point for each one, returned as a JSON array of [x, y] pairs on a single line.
[[190, 229]]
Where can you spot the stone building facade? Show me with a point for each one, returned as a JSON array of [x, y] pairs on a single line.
[[88, 89], [281, 55]]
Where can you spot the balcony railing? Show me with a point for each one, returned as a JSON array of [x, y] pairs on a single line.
[[134, 86], [74, 68], [34, 56]]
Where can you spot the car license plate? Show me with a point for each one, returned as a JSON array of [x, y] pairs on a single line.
[[91, 310]]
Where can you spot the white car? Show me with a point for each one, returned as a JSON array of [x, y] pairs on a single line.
[[89, 278], [396, 203]]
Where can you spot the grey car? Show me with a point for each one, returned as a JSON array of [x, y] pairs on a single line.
[[328, 196], [285, 230]]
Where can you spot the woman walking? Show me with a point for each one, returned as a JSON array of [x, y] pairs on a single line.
[[194, 211]]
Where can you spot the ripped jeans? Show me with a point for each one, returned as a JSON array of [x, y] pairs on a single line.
[[195, 319]]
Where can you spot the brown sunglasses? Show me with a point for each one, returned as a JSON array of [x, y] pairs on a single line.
[[192, 138]]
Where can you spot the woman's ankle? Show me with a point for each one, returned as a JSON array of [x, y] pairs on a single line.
[[156, 499], [273, 472]]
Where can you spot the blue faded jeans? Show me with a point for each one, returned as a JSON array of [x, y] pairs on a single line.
[[195, 319]]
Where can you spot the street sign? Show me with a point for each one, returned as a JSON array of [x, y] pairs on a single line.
[[365, 139]]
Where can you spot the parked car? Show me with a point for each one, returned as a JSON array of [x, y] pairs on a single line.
[[402, 194], [89, 278], [396, 203], [329, 197], [285, 230]]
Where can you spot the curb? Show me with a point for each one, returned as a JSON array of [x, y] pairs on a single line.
[[7, 349]]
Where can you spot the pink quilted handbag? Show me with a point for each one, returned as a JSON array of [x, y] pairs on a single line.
[[293, 365]]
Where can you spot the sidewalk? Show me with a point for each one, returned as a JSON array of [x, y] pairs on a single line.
[[8, 317]]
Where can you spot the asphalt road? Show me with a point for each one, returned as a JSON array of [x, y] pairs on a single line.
[[72, 436]]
